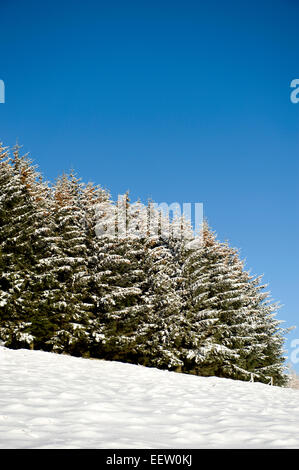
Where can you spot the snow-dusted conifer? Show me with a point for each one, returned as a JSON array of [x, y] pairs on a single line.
[[264, 353], [121, 278], [73, 305], [80, 273], [226, 311], [41, 288], [159, 332], [17, 255], [213, 295]]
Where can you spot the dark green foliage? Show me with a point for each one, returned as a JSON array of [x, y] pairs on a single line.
[[83, 275]]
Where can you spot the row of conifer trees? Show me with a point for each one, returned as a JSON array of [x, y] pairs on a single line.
[[162, 298]]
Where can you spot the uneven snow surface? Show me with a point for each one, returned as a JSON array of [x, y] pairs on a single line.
[[57, 401]]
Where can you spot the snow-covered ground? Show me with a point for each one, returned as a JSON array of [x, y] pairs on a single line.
[[57, 401]]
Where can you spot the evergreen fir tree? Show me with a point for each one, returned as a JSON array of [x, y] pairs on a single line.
[[17, 256], [121, 278], [95, 202], [159, 332], [264, 353], [42, 242], [73, 304], [232, 333]]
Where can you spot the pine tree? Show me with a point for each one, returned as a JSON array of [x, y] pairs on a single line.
[[73, 304], [121, 278], [29, 252], [160, 331], [17, 256], [264, 353], [96, 203], [233, 334], [42, 242]]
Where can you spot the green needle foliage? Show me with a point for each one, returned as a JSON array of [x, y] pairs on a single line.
[[84, 275]]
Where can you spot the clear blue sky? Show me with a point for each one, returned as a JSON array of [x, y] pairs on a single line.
[[185, 101]]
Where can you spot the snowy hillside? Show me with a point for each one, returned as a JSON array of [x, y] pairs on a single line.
[[57, 401]]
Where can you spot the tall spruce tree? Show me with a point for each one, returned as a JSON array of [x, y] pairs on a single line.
[[42, 242], [95, 203], [17, 255], [232, 333], [160, 330], [73, 304], [121, 277], [264, 353]]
